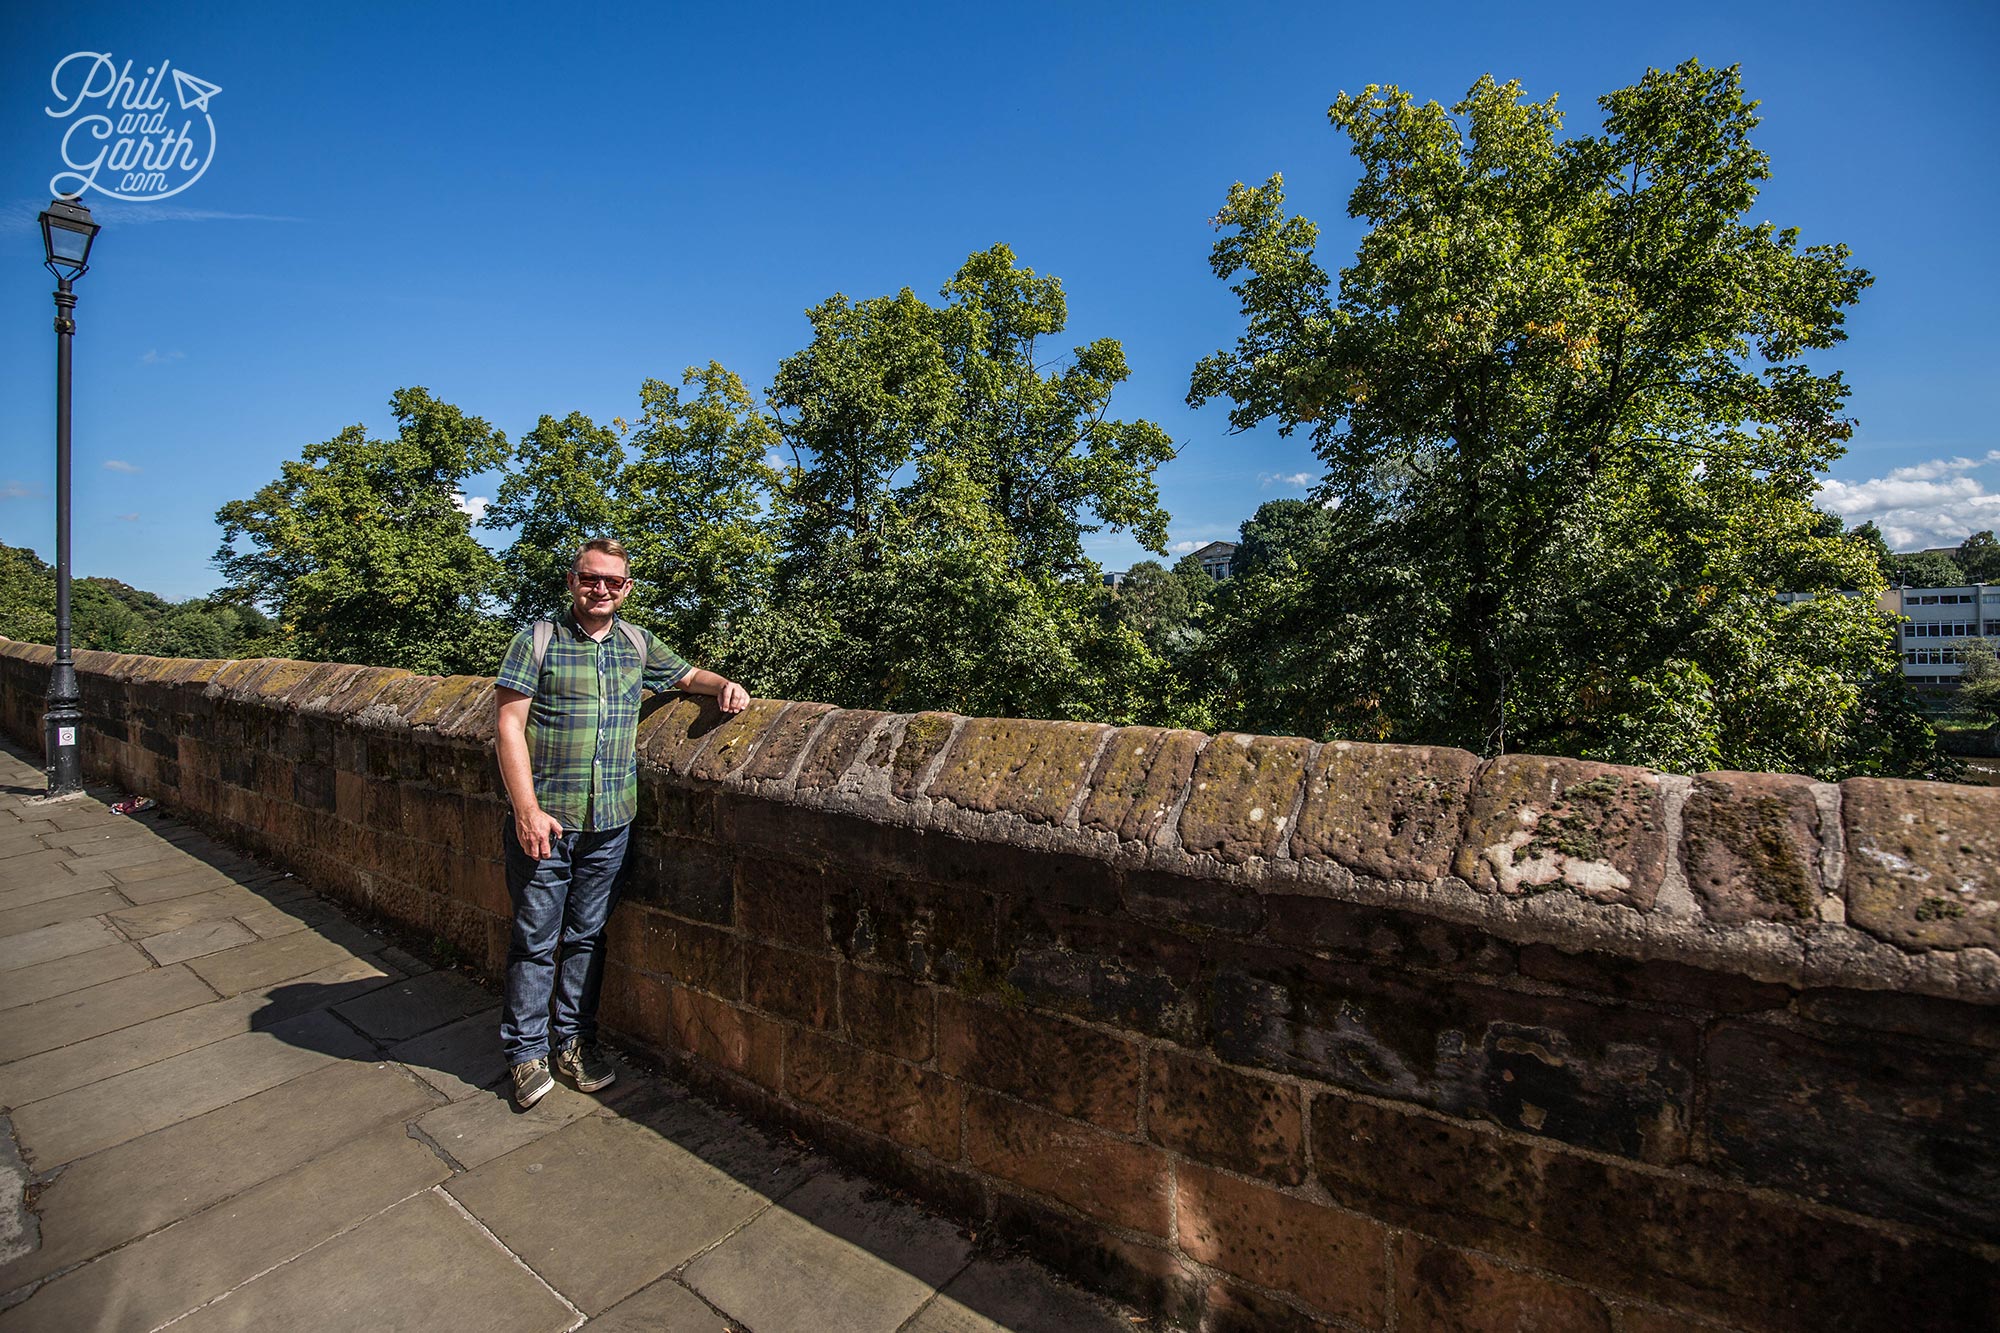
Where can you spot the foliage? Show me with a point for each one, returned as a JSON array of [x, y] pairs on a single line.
[[1563, 402], [694, 507], [931, 521], [111, 616], [363, 551], [1925, 569], [1979, 676], [561, 492], [1979, 557], [27, 596]]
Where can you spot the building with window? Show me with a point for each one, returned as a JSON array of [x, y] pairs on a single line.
[[1936, 622], [1933, 625], [1218, 559]]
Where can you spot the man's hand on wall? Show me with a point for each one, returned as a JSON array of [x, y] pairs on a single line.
[[732, 698]]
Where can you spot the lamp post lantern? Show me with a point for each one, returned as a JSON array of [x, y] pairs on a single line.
[[67, 233]]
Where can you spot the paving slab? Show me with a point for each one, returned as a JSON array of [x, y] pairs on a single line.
[[195, 941], [65, 939], [40, 876], [101, 1115], [459, 1060], [645, 1203], [421, 1267], [282, 918], [1015, 1296], [83, 1014], [145, 851], [142, 883], [138, 1187], [664, 1307], [478, 1129], [99, 838], [92, 902], [835, 1254], [170, 1272], [771, 1165], [265, 962], [160, 916], [420, 1004], [25, 985], [53, 1071]]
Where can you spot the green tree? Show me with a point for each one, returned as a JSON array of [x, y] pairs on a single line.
[[1562, 384], [1155, 604], [931, 520], [1979, 676], [694, 504], [27, 596], [561, 491], [1926, 569], [1979, 557], [362, 549], [1871, 537]]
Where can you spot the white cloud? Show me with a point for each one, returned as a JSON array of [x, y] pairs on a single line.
[[155, 357], [1933, 503], [120, 465], [474, 505], [128, 518], [1269, 479], [17, 490], [1182, 548]]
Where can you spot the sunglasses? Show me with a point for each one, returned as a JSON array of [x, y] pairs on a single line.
[[609, 582]]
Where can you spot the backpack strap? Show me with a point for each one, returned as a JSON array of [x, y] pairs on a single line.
[[545, 631]]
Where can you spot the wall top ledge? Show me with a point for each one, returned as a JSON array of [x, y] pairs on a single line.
[[1868, 883]]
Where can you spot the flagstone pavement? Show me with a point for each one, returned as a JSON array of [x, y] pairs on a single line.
[[228, 1106]]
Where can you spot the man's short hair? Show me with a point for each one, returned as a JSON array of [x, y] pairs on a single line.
[[606, 545]]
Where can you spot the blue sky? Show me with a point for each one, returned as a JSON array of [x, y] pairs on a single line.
[[531, 210]]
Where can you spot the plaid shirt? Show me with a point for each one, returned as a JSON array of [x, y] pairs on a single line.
[[583, 722]]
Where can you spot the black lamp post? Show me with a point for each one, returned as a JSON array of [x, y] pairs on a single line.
[[67, 232]]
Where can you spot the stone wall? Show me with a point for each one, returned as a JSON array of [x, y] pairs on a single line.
[[1261, 1032]]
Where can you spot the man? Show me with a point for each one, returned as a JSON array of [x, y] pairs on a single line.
[[567, 741]]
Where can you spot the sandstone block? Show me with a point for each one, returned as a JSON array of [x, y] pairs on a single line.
[[1332, 1260], [1123, 1183], [681, 951], [1751, 846], [782, 902], [1138, 779], [1390, 811], [837, 746], [674, 729], [1069, 1068], [1596, 1075], [1244, 791], [924, 737], [1226, 1117], [724, 1035], [916, 1107], [886, 1013], [785, 740], [802, 987], [734, 739], [1442, 1288], [1923, 862], [1032, 769], [1750, 1259], [1785, 1109], [1539, 824]]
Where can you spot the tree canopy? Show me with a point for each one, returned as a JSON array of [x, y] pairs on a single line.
[[363, 551], [1564, 402]]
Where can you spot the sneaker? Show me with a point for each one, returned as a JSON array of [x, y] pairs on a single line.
[[578, 1061], [531, 1082]]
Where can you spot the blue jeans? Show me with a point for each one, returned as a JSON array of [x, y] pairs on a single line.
[[564, 899]]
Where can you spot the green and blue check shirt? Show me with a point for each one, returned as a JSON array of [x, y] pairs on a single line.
[[583, 720]]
